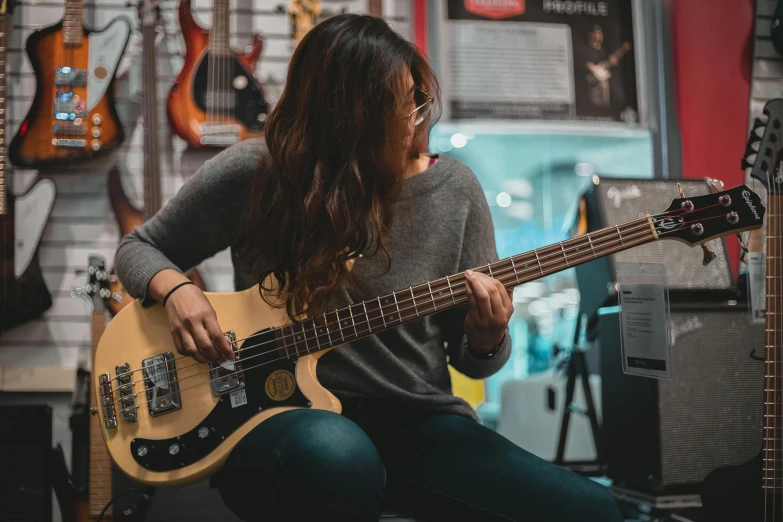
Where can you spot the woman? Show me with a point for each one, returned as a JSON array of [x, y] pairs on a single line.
[[337, 206]]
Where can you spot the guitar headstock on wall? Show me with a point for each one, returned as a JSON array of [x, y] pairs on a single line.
[[97, 286], [764, 150], [698, 219]]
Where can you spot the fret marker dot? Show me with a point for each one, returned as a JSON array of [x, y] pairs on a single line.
[[345, 323], [298, 337], [391, 317], [577, 250]]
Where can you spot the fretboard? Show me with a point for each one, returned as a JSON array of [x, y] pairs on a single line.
[[773, 374], [219, 35], [72, 23], [100, 492], [384, 312], [153, 199]]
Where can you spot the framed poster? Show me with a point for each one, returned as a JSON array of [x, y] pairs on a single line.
[[538, 60]]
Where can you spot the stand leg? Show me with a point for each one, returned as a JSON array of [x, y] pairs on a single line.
[[569, 399], [591, 411]]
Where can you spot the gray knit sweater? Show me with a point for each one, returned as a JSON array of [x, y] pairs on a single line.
[[443, 228]]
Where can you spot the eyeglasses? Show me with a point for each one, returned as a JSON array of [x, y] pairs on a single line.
[[420, 113]]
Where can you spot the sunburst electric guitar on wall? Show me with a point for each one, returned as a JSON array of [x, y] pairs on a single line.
[[23, 292], [169, 420], [128, 217], [73, 116], [754, 490], [216, 100]]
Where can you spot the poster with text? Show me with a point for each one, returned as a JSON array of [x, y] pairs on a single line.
[[538, 60]]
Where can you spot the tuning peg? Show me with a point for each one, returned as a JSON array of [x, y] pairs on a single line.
[[717, 184], [679, 187], [709, 255]]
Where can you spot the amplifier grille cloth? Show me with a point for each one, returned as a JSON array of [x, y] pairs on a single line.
[[621, 201], [711, 411]]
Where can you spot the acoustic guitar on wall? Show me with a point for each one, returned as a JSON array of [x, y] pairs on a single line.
[[216, 99], [73, 116]]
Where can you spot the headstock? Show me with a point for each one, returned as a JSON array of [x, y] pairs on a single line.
[[698, 219], [765, 159], [97, 286], [149, 12]]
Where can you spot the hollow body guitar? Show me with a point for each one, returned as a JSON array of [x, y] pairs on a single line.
[[216, 100], [169, 420], [73, 116]]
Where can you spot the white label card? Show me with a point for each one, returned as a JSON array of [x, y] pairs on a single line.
[[644, 319]]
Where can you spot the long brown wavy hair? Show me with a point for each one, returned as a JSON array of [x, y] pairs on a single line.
[[339, 142]]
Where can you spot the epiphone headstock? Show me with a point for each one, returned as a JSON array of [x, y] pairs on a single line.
[[698, 219], [764, 150]]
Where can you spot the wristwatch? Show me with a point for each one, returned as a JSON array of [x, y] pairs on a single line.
[[488, 355]]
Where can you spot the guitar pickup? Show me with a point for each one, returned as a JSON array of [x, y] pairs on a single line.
[[227, 376], [160, 382], [219, 134], [68, 109], [68, 76]]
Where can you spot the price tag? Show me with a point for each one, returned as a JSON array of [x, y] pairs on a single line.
[[757, 291], [644, 319]]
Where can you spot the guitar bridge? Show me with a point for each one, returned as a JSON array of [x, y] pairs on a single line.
[[127, 397], [68, 76], [227, 376], [107, 401]]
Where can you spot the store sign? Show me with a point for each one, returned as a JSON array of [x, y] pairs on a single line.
[[495, 9]]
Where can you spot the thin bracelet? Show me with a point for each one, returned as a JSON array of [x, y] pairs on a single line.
[[174, 289]]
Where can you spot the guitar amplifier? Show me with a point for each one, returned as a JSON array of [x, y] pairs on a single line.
[[665, 436], [616, 201], [25, 471]]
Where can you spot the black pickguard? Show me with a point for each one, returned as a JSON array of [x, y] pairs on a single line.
[[258, 364], [248, 104]]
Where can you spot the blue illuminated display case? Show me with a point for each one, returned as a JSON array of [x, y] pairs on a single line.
[[532, 176]]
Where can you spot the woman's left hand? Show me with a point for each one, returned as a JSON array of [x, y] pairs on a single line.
[[489, 310]]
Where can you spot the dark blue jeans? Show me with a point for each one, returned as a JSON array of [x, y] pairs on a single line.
[[313, 465]]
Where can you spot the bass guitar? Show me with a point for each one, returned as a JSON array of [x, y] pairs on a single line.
[[128, 217], [602, 71], [23, 292], [169, 420], [216, 100], [754, 490], [73, 116]]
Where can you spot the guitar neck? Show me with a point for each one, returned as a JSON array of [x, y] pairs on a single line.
[[72, 23], [773, 369], [385, 312], [219, 35], [6, 203], [153, 199], [100, 492]]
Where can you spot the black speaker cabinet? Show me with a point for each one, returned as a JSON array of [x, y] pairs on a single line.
[[25, 482], [665, 436], [616, 201]]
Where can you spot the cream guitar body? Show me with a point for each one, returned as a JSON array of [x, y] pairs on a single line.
[[137, 334]]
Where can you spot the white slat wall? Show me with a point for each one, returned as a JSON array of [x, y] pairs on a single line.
[[82, 222]]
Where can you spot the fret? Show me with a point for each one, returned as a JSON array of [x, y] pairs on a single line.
[[565, 257], [591, 244], [302, 336], [514, 268], [339, 325], [353, 321], [414, 301], [451, 291], [312, 329], [380, 308], [285, 342], [320, 329], [434, 305], [539, 262], [620, 236]]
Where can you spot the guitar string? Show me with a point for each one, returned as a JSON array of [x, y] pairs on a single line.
[[608, 234], [552, 268], [775, 298]]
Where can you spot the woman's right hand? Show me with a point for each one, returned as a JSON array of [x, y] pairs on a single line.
[[194, 326]]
